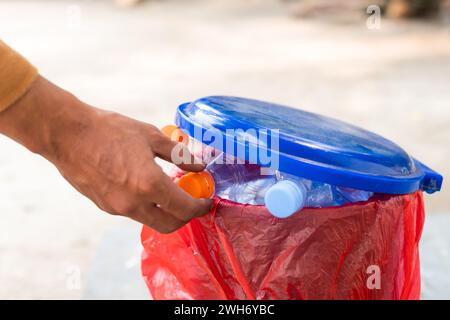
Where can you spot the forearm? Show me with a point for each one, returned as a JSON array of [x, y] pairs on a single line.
[[42, 118], [33, 111]]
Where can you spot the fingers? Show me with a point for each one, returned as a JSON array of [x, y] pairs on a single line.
[[156, 218], [170, 198], [176, 201], [175, 152], [145, 206]]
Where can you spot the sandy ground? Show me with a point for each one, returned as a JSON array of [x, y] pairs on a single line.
[[144, 62]]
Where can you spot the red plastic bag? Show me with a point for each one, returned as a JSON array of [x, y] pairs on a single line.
[[359, 251]]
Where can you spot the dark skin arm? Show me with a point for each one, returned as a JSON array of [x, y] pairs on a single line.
[[106, 156]]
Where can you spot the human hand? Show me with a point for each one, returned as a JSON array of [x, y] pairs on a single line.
[[107, 157]]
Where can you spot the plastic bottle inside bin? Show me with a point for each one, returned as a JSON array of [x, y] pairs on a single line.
[[348, 195], [291, 194], [286, 197], [318, 194], [282, 194], [229, 179]]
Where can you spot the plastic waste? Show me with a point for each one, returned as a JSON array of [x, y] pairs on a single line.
[[347, 195], [227, 178], [282, 194], [291, 194], [285, 198]]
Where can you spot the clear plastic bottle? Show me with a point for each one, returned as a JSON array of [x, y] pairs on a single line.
[[348, 195], [291, 194], [286, 197], [253, 191]]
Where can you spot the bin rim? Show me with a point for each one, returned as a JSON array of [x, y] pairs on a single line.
[[312, 146]]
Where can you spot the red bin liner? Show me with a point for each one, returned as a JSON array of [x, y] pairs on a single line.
[[242, 252]]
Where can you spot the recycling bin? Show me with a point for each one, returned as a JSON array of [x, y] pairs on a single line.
[[363, 250]]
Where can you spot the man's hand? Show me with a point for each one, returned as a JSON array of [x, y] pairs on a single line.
[[106, 156]]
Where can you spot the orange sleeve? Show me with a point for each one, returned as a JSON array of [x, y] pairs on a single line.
[[16, 76]]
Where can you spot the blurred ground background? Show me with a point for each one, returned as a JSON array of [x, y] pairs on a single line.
[[144, 61]]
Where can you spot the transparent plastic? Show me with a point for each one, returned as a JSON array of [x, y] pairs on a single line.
[[248, 184]]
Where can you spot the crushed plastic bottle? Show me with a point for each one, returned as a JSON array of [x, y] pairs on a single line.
[[318, 194], [348, 195], [253, 191]]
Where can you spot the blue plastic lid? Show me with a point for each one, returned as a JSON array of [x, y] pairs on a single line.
[[305, 144], [284, 199]]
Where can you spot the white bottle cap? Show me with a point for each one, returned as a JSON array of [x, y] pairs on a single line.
[[284, 199]]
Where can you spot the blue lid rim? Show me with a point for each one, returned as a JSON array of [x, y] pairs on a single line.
[[423, 179], [432, 181]]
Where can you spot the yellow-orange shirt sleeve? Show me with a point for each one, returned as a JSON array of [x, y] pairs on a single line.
[[16, 76]]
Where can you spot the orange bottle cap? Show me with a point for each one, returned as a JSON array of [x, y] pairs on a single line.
[[197, 184], [175, 134]]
